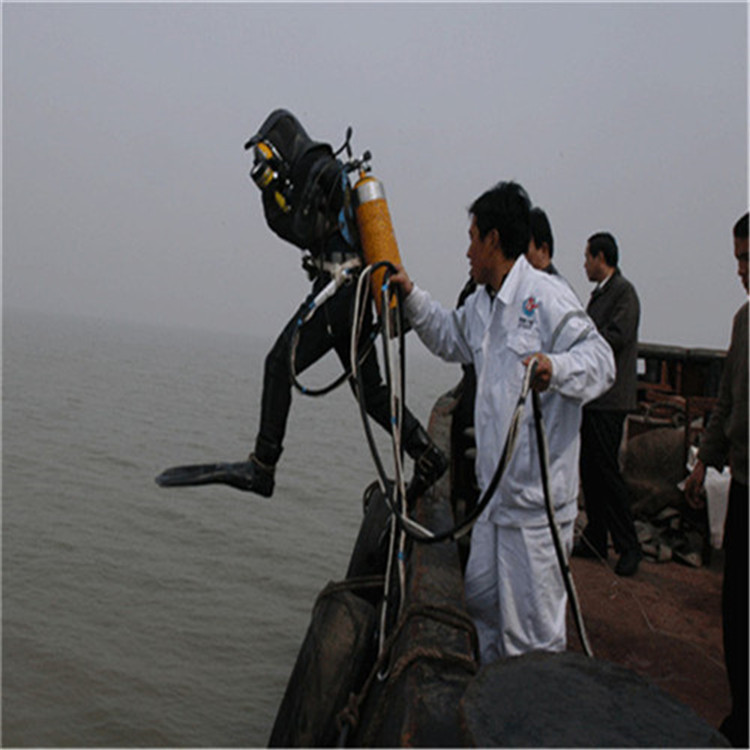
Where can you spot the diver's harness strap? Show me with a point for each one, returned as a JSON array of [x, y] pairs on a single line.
[[340, 273], [332, 264], [337, 264], [342, 269]]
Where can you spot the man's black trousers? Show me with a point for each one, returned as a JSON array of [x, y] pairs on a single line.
[[734, 606], [605, 493]]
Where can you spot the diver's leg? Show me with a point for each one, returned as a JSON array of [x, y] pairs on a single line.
[[430, 462], [339, 315], [276, 399], [314, 341]]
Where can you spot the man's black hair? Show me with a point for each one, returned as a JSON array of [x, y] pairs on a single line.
[[604, 242], [541, 231], [740, 228], [505, 207]]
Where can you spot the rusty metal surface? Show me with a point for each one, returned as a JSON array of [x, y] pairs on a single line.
[[663, 623]]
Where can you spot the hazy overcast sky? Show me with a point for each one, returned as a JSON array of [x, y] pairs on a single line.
[[125, 183]]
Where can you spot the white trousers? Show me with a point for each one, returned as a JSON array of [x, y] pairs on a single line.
[[515, 591]]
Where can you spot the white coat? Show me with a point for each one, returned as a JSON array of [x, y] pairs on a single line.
[[532, 312]]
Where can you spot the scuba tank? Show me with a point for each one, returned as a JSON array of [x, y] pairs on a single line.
[[376, 233]]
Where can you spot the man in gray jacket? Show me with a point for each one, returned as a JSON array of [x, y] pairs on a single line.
[[725, 439], [615, 309]]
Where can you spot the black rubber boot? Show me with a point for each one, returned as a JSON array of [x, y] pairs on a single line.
[[430, 463], [258, 475], [252, 476]]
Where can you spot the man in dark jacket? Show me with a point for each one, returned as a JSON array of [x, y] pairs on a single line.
[[725, 440], [615, 309]]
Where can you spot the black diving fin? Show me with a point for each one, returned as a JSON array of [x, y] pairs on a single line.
[[243, 475]]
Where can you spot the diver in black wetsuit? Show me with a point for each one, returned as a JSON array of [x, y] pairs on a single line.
[[307, 201], [330, 326]]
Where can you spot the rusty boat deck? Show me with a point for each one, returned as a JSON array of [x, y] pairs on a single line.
[[664, 623]]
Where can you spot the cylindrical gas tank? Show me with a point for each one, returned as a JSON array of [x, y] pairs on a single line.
[[375, 230]]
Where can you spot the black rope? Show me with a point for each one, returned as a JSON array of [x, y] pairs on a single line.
[[561, 558]]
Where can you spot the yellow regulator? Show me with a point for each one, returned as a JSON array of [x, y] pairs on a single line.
[[375, 230]]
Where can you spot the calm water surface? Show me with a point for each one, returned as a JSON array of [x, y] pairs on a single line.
[[140, 616]]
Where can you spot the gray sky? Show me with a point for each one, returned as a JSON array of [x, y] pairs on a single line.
[[125, 187]]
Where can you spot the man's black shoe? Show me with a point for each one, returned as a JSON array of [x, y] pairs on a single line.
[[627, 565]]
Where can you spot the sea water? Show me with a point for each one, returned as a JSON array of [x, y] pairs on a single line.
[[136, 616]]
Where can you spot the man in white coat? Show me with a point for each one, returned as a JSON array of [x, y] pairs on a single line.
[[514, 588]]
